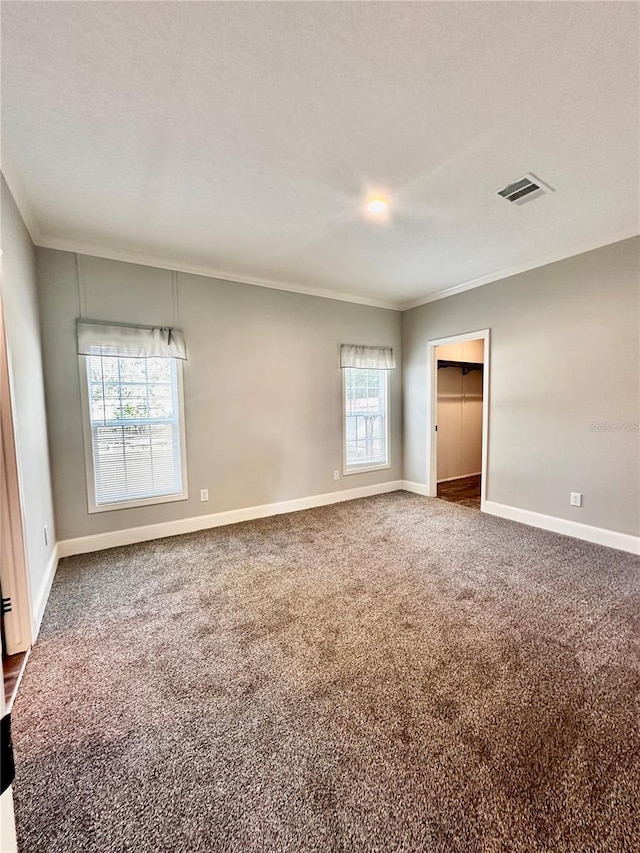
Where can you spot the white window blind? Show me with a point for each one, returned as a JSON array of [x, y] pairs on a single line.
[[135, 423], [365, 418]]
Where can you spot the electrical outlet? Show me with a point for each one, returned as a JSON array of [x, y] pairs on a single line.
[[46, 534], [336, 474], [204, 494], [576, 499]]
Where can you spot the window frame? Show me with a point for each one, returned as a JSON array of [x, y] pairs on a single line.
[[92, 505], [348, 470]]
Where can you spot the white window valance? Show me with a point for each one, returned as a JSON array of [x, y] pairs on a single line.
[[130, 341], [373, 358]]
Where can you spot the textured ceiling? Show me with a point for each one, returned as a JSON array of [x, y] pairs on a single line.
[[241, 139]]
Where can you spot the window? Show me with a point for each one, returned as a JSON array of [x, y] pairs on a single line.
[[366, 405], [134, 430]]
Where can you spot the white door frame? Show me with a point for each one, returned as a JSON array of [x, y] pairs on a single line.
[[432, 408], [18, 624]]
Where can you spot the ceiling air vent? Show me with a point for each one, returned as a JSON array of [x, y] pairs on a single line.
[[525, 189]]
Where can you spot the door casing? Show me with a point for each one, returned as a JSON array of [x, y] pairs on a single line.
[[432, 408], [18, 624]]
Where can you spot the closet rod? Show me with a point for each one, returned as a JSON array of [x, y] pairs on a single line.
[[465, 366]]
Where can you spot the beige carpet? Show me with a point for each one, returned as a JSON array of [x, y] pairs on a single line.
[[391, 674]]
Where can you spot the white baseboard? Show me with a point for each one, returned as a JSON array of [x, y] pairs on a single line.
[[128, 536], [416, 488], [461, 477], [45, 589], [598, 535], [115, 538]]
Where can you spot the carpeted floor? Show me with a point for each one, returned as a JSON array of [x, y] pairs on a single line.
[[391, 674]]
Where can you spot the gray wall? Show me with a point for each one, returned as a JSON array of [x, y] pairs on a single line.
[[20, 305], [564, 356], [263, 394]]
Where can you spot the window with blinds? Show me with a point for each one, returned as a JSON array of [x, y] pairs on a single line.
[[135, 419], [366, 403]]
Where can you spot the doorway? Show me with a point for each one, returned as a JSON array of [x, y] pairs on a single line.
[[458, 418], [15, 617]]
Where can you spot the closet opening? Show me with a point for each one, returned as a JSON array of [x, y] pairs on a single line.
[[458, 414]]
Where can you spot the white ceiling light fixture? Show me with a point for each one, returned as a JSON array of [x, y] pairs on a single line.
[[378, 205]]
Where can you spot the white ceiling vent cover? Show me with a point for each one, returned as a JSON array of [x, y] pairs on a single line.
[[525, 189]]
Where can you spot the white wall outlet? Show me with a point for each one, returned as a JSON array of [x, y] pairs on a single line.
[[204, 494], [576, 499], [336, 474], [46, 534]]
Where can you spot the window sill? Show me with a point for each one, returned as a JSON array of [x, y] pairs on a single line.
[[163, 499], [365, 469]]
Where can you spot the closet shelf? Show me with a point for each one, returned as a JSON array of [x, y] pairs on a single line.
[[465, 366]]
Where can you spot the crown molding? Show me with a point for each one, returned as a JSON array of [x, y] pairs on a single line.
[[16, 186], [588, 246], [145, 260], [171, 264]]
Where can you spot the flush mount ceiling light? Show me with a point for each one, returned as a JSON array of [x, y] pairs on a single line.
[[378, 205]]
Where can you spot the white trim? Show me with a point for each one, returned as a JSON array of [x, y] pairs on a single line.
[[132, 257], [459, 339], [30, 219], [20, 196], [15, 558], [574, 529], [45, 588], [460, 477], [432, 407], [365, 469], [92, 505], [416, 488], [597, 535], [588, 246], [115, 538], [151, 501], [347, 470]]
